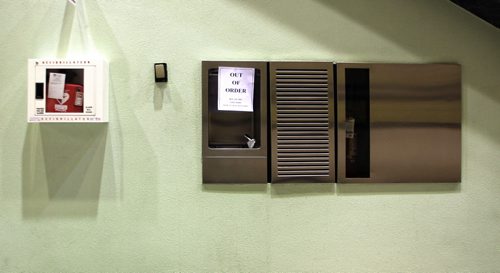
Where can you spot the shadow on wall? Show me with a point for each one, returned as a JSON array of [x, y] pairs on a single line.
[[427, 28], [433, 31], [65, 34], [283, 190], [293, 190], [62, 169], [397, 188], [235, 188]]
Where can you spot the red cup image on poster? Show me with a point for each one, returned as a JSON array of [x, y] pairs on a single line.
[[72, 102], [65, 92]]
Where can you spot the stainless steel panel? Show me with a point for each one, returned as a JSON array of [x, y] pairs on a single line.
[[234, 170], [302, 120], [415, 122], [226, 157]]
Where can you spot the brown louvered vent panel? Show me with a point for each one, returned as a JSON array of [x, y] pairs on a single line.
[[302, 122]]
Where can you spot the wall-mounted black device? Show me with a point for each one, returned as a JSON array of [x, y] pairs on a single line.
[[161, 72]]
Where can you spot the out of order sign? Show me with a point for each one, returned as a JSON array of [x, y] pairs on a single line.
[[236, 88]]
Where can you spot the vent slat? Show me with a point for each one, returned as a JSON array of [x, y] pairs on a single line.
[[302, 133], [304, 172], [301, 102], [304, 150], [298, 168], [302, 85], [303, 118], [302, 141], [303, 163], [301, 89], [300, 176], [287, 160], [305, 154], [289, 123], [303, 99], [301, 145], [302, 115], [300, 81], [323, 110], [311, 138], [298, 76], [281, 72], [299, 93], [302, 129], [303, 107]]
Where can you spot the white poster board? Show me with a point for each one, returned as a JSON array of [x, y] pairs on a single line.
[[236, 86], [67, 90]]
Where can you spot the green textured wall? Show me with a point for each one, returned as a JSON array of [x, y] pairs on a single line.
[[127, 197]]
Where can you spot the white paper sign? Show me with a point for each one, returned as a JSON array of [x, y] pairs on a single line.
[[56, 85], [236, 85]]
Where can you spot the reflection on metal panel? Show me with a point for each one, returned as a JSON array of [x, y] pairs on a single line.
[[413, 126]]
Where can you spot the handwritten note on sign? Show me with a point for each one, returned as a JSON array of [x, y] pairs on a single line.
[[236, 85]]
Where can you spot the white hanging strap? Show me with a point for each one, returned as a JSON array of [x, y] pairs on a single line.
[[83, 24]]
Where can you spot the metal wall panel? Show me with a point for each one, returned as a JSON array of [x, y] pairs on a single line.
[[226, 158], [302, 122], [413, 122]]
